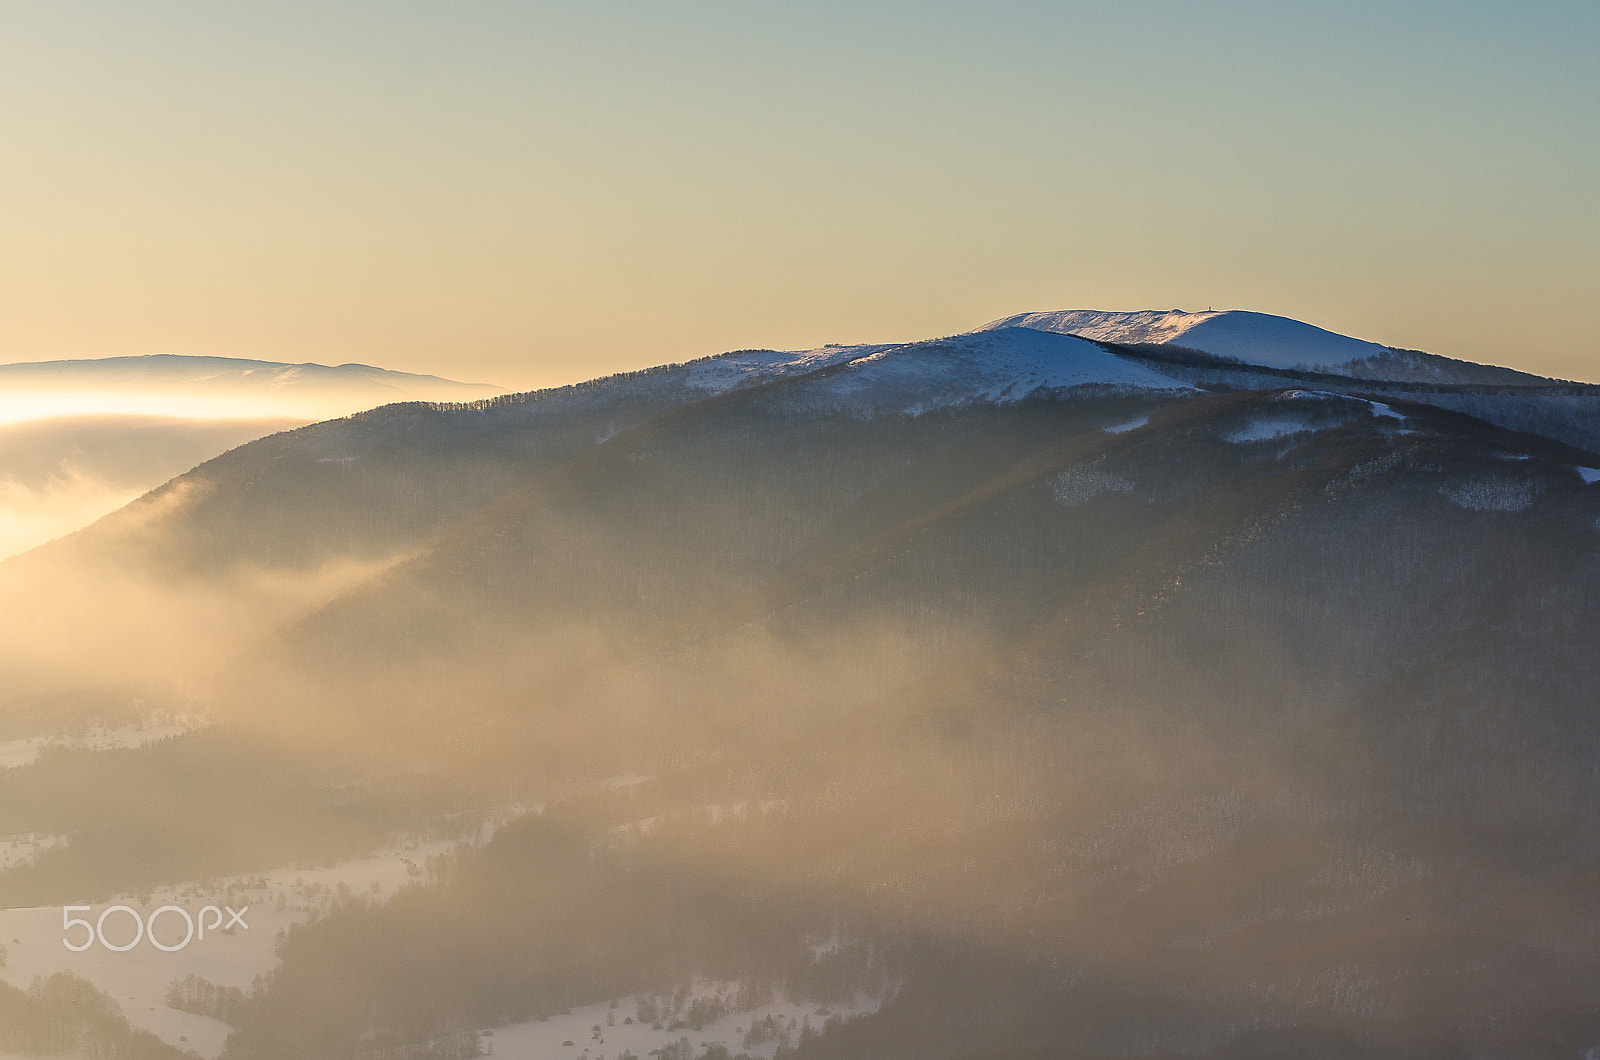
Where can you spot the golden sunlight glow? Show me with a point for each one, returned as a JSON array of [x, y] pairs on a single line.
[[21, 406]]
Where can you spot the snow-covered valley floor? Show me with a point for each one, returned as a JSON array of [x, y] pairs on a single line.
[[603, 1032], [138, 979]]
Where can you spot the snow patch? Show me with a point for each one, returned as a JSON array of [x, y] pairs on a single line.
[[138, 979], [24, 848], [1262, 430], [1129, 425], [25, 751], [601, 1030], [1590, 475], [749, 367], [1380, 409]]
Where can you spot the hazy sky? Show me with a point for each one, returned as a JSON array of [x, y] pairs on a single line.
[[533, 193]]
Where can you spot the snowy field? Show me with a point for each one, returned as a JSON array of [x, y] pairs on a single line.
[[604, 1032], [1127, 425], [23, 848], [1264, 430], [138, 979], [22, 752]]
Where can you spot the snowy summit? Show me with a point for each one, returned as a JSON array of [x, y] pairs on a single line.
[[1253, 338]]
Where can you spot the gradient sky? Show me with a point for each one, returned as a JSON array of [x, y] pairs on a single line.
[[535, 193]]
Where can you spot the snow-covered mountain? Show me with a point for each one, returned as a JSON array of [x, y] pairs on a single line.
[[993, 365], [1144, 326], [730, 371], [997, 366], [1162, 690], [1253, 338]]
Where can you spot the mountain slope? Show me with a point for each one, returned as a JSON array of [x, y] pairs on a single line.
[[81, 438], [380, 482], [1001, 365], [61, 473], [1177, 708], [1061, 697]]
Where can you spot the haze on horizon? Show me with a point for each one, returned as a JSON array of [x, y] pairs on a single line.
[[80, 439], [535, 195]]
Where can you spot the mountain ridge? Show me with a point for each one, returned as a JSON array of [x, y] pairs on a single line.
[[1169, 687], [200, 374], [1263, 340], [496, 435]]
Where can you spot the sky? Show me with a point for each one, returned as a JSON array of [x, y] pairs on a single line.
[[534, 193]]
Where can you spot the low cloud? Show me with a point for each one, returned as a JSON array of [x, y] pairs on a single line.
[[32, 515]]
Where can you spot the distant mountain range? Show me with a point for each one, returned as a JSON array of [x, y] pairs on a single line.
[[81, 438], [1200, 685], [226, 374], [125, 385]]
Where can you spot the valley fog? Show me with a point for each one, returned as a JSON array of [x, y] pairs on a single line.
[[1004, 696]]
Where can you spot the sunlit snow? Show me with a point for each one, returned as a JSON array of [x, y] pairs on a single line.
[[1253, 338]]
